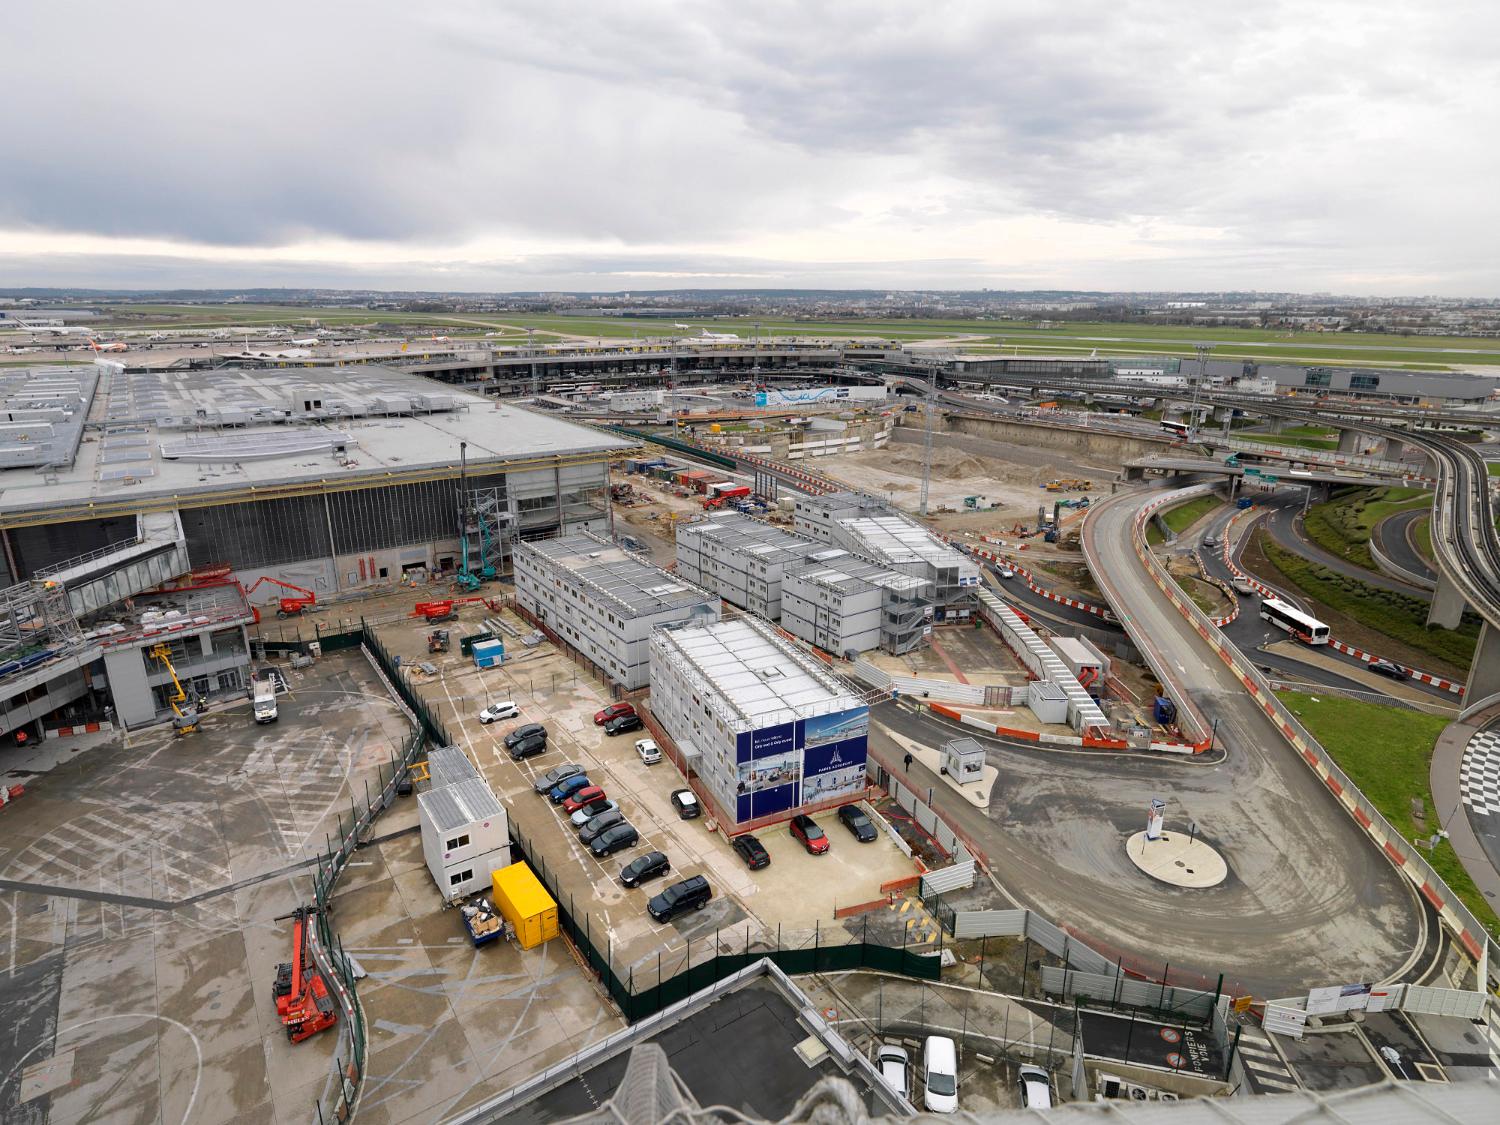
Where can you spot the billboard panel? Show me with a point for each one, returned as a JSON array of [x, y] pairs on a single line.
[[841, 726]]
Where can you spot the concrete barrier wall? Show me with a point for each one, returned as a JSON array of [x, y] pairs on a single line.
[[1470, 934]]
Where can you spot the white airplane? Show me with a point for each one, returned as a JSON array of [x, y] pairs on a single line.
[[307, 342], [684, 327], [51, 330], [705, 334]]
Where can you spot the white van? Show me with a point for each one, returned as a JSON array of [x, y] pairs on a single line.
[[939, 1075]]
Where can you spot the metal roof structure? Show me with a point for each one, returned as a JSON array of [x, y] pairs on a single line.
[[448, 765], [180, 434], [616, 578], [896, 540], [763, 541], [760, 677], [836, 569], [460, 804]]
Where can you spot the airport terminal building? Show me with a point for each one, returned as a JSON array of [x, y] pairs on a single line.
[[336, 480]]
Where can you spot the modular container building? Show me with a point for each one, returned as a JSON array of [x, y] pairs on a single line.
[[465, 836], [489, 654], [525, 904]]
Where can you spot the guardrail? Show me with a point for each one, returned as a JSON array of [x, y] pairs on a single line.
[[1467, 929]]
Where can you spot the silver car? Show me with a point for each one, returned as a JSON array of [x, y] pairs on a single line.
[[893, 1063]]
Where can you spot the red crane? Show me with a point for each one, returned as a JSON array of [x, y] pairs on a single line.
[[285, 607], [302, 998]]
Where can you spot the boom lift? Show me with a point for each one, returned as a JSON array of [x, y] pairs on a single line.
[[183, 722], [285, 607], [302, 998]]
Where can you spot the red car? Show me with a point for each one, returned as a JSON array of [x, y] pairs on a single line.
[[585, 796], [613, 711], [805, 829]]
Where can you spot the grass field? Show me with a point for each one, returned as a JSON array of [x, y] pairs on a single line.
[[1494, 468], [994, 336], [1343, 525], [1386, 752], [1283, 441], [1421, 536], [1399, 616]]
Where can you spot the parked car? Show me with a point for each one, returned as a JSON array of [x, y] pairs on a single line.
[[525, 731], [858, 823], [527, 747], [1242, 586], [615, 838], [1036, 1087], [623, 724], [893, 1062], [497, 711], [805, 829], [752, 851], [591, 810], [585, 796], [649, 751], [567, 787], [686, 802], [597, 824], [652, 865], [939, 1075], [613, 711], [1390, 668], [545, 783], [692, 893], [1006, 572]]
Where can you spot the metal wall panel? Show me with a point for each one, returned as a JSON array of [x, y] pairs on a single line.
[[258, 534]]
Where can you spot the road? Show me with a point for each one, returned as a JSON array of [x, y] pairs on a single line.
[[1284, 525], [1393, 535], [1307, 885]]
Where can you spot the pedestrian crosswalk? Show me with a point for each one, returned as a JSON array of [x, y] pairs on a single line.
[[1263, 1064], [1479, 773]]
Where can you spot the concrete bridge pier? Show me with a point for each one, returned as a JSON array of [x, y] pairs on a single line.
[[1484, 672], [1447, 608], [1350, 441], [1392, 449]]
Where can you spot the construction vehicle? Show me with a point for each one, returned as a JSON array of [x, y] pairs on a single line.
[[184, 720], [437, 612], [285, 607], [437, 640], [302, 997], [469, 523]]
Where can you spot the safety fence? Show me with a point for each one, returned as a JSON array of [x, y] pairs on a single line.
[[1466, 928], [643, 986], [976, 695]]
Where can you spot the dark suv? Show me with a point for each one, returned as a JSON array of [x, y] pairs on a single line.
[[525, 731], [858, 823], [527, 747], [623, 724], [690, 894], [614, 839]]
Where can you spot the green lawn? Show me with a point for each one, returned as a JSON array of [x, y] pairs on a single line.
[[1386, 752], [1182, 517], [1343, 526], [1400, 616], [1283, 441], [1421, 535], [1494, 468]]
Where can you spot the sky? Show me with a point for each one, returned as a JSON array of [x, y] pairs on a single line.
[[517, 145]]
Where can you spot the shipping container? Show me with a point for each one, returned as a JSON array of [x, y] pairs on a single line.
[[488, 654], [525, 904]]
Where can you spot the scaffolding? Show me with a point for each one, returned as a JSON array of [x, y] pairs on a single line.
[[38, 616]]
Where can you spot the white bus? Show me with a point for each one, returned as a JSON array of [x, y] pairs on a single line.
[[1308, 630], [1180, 429]]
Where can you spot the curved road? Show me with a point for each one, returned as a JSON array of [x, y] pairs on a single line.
[[1285, 527], [1310, 896], [1393, 535]]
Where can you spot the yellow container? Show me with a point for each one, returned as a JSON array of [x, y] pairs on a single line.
[[525, 904], [715, 428]]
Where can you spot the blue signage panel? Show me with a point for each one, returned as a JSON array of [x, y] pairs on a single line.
[[833, 755]]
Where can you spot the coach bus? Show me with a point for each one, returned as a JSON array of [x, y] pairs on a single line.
[[1308, 630], [1180, 429]]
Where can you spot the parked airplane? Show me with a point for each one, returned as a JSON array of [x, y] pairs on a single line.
[[705, 334], [113, 346]]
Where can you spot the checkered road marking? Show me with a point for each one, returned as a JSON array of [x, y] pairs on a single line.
[[1479, 773]]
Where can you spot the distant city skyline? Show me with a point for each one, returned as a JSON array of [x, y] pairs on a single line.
[[1129, 147]]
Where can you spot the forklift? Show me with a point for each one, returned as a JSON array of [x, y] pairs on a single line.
[[437, 640], [302, 998]]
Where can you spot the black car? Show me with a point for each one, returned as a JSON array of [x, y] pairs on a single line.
[[751, 851], [1389, 668], [686, 802], [622, 724], [614, 839], [858, 823], [600, 824], [527, 747], [652, 865], [691, 894], [545, 783], [525, 731]]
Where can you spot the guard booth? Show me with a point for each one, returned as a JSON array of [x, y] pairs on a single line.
[[963, 760]]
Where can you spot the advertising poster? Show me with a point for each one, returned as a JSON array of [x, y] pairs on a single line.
[[769, 772], [841, 726], [834, 748]]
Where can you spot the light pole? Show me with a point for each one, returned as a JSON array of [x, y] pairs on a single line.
[[1202, 350]]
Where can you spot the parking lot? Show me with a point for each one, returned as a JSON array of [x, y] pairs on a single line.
[[141, 881], [798, 892]]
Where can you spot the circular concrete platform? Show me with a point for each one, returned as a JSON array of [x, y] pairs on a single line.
[[1177, 859]]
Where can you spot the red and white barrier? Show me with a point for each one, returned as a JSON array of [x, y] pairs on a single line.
[[1087, 607], [86, 728]]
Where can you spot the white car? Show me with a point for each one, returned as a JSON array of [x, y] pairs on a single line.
[[892, 1062], [648, 750], [497, 711], [939, 1075], [1036, 1087], [1006, 572]]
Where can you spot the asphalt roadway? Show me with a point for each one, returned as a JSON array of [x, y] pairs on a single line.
[[1393, 534], [1309, 896]]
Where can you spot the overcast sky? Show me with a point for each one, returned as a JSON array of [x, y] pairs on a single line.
[[1348, 147]]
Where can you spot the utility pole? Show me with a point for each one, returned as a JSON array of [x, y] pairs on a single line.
[[932, 382], [536, 384], [1202, 350]]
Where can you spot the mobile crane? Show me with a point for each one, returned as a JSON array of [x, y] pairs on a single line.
[[183, 722], [302, 998]]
